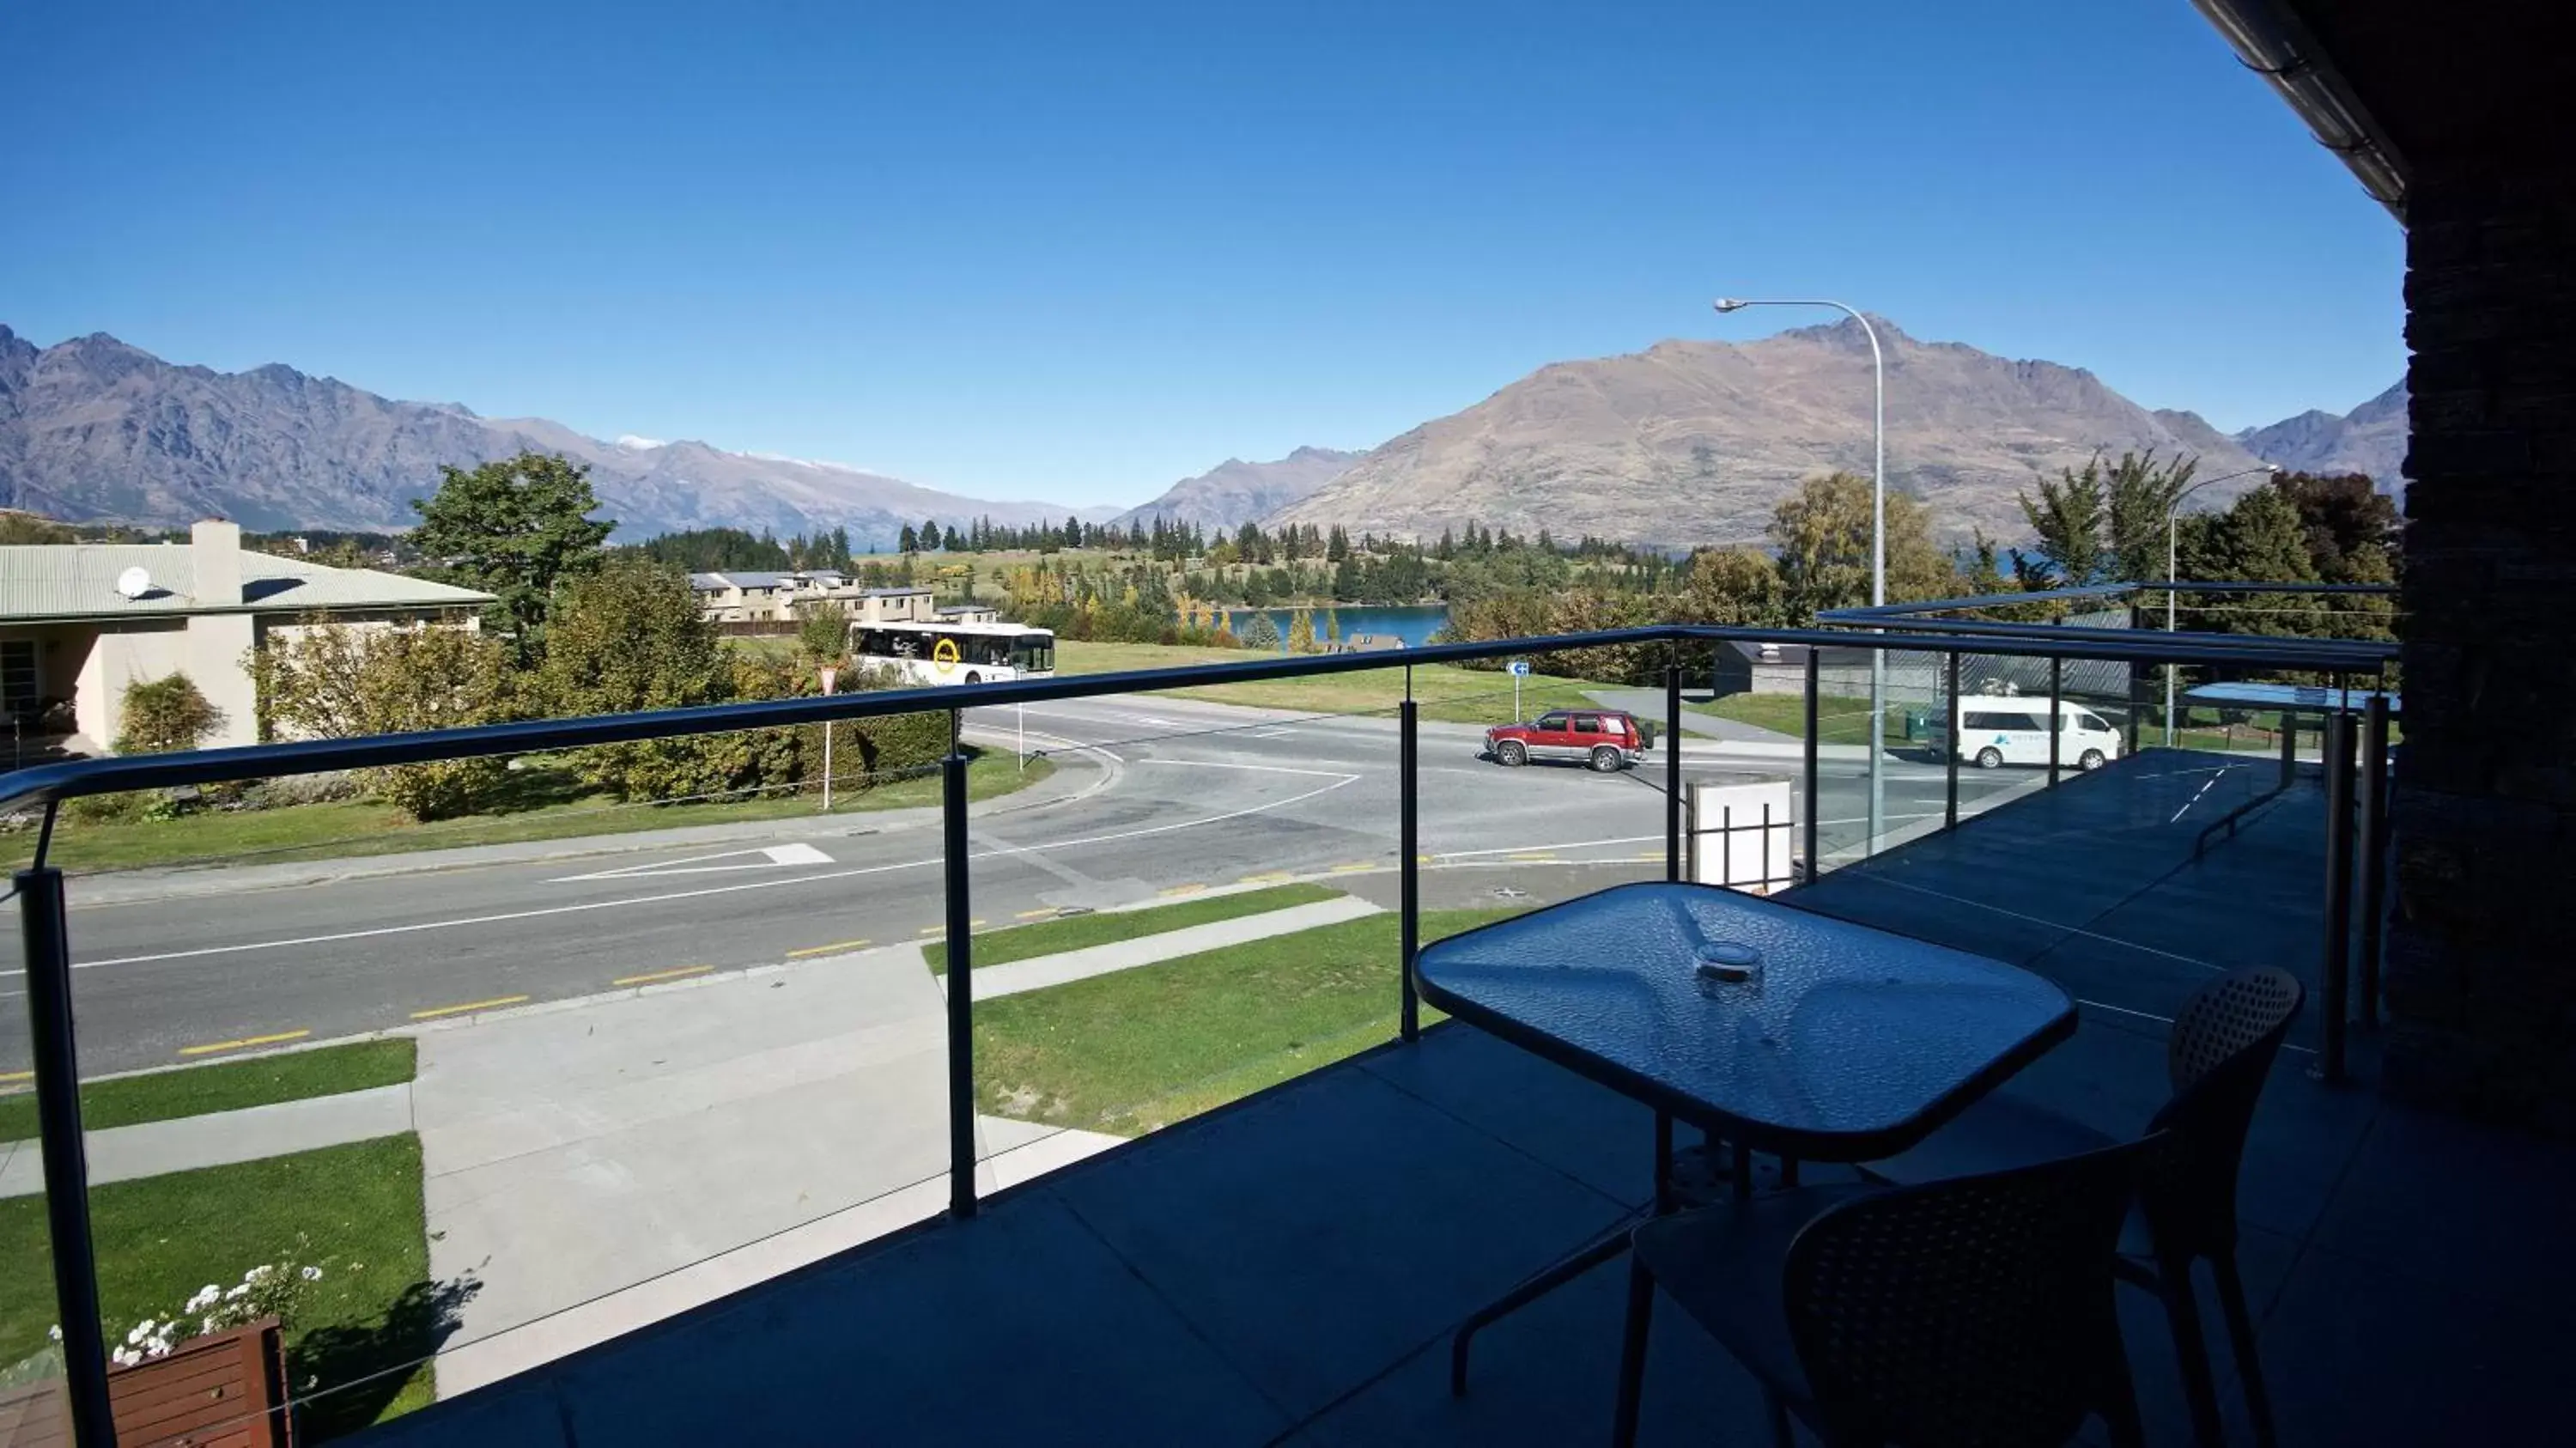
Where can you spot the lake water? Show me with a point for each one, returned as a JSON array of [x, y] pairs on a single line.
[[1413, 623]]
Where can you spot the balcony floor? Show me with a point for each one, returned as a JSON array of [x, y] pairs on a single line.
[[1286, 1269]]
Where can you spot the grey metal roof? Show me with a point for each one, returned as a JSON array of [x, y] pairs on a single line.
[[78, 580]]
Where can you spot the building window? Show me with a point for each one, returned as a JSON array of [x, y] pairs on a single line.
[[17, 676]]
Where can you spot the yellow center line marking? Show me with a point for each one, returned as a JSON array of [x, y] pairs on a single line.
[[213, 1046], [17, 1075], [650, 976], [1189, 889], [1353, 865], [934, 930], [1538, 857], [1034, 914], [1648, 855], [459, 1010], [831, 949], [1265, 877]]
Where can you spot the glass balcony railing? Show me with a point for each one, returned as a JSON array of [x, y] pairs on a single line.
[[365, 1119]]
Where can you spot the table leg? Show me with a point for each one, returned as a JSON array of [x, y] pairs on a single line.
[[1601, 1250], [1663, 1164], [1528, 1292], [1743, 1173]]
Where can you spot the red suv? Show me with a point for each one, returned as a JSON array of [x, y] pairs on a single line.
[[1606, 739]]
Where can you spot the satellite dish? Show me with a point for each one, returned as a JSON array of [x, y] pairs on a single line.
[[133, 583]]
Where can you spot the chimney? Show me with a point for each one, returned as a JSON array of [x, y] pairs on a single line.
[[216, 545]]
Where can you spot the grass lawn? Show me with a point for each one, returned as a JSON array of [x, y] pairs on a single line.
[[1445, 692], [343, 828], [354, 1209], [1049, 937], [229, 1086], [1839, 720], [1138, 1049]]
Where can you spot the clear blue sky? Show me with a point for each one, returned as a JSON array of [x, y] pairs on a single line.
[[1078, 250]]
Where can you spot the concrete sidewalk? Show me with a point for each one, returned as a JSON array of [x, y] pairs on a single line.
[[1042, 971], [122, 1153]]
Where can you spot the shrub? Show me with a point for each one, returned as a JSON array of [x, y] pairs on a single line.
[[123, 807], [629, 638], [165, 716], [332, 681]]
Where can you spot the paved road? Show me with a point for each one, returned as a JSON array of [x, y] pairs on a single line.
[[1175, 795]]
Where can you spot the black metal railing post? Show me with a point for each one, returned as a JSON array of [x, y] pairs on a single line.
[[1950, 766], [2056, 714], [1815, 804], [1673, 767], [45, 932], [2335, 967], [2289, 748], [961, 977], [2373, 865], [1409, 873]]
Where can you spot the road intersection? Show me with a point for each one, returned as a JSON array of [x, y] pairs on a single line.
[[1153, 797]]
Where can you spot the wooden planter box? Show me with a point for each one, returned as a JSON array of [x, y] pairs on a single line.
[[223, 1391]]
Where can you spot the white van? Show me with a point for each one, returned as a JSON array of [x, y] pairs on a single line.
[[2001, 729]]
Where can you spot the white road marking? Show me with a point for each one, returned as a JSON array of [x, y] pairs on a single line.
[[770, 857], [1533, 849], [633, 900], [1343, 775]]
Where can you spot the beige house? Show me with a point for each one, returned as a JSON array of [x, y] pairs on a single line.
[[80, 623], [776, 598]]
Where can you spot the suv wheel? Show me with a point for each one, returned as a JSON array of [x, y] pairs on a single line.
[[1511, 751], [973, 677], [2092, 760], [1990, 758], [1605, 758]]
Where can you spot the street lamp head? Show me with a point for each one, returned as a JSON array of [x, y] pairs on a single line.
[[1730, 304]]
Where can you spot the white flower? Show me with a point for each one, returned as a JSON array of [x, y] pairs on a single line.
[[205, 1297], [237, 1292], [260, 1273], [312, 1274], [55, 1332], [125, 1357], [206, 1328], [141, 1331]]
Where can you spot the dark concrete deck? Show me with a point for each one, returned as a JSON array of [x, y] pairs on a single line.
[[1286, 1270]]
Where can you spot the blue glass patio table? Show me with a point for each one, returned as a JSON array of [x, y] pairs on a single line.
[[1766, 1026], [1841, 1043]]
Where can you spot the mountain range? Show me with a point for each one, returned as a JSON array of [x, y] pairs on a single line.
[[2369, 439], [1235, 492], [1688, 442], [95, 429], [1692, 442]]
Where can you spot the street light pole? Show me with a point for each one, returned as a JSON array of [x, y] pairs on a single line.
[[2173, 529], [1877, 542]]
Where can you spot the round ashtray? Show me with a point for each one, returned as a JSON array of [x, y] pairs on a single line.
[[1728, 960]]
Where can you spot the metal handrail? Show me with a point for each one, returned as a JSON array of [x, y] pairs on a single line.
[[45, 927], [71, 779], [2342, 653]]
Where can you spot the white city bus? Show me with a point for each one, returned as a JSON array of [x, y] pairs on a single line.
[[955, 653]]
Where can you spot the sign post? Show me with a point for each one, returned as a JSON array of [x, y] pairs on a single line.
[[1519, 670], [829, 674]]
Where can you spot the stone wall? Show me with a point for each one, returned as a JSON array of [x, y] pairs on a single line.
[[2481, 970]]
